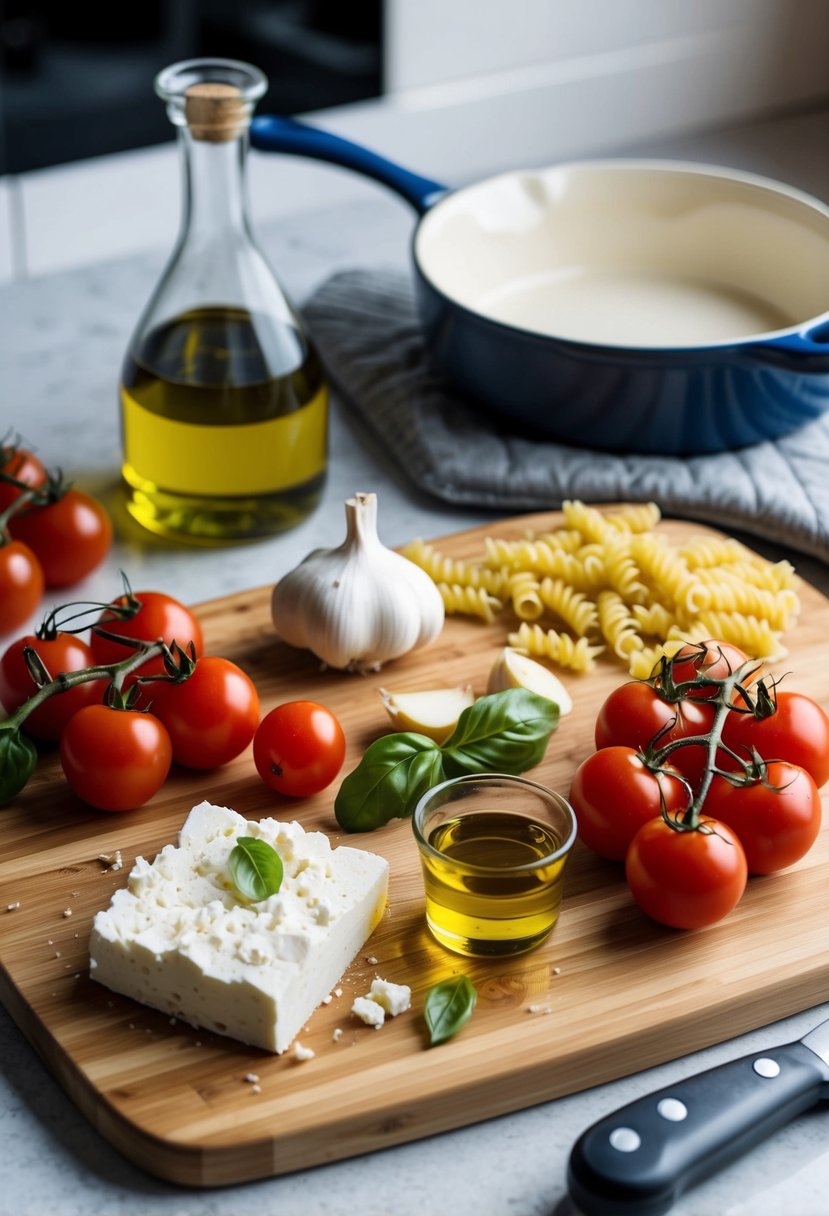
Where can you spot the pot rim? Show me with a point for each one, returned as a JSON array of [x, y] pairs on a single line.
[[799, 330]]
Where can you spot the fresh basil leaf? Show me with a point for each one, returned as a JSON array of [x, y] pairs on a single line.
[[448, 1007], [506, 732], [392, 775], [18, 759], [255, 867]]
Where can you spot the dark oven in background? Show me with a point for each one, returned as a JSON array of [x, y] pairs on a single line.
[[76, 80]]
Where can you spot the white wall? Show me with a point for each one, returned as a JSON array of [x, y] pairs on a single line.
[[473, 86]]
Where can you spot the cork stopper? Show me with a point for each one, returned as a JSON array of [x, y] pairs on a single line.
[[215, 112]]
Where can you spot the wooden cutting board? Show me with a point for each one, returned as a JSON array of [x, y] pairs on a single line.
[[608, 994]]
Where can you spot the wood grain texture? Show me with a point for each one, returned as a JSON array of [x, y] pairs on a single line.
[[624, 992]]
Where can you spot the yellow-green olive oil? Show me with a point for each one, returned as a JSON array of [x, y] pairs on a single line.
[[487, 887], [224, 416]]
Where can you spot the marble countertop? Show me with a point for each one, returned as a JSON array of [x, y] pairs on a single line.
[[61, 342]]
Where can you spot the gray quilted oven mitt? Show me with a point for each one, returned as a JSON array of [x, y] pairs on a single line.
[[366, 328]]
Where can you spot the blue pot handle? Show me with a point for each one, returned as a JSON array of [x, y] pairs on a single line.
[[808, 349], [270, 133]]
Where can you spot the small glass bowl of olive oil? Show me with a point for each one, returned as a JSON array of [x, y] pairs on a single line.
[[493, 849]]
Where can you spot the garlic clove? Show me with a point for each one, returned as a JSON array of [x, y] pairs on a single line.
[[433, 712], [514, 670], [361, 604]]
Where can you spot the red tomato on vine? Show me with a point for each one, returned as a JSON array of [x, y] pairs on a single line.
[[157, 616], [777, 817], [686, 879], [115, 759], [211, 716], [635, 713], [613, 793], [711, 659], [71, 536], [23, 466], [21, 584], [797, 731]]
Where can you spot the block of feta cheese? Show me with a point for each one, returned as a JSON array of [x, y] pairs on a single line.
[[180, 938]]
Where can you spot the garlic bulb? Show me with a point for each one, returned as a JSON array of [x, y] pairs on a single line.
[[359, 605]]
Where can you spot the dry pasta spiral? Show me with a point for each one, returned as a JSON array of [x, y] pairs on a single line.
[[470, 601], [573, 607], [577, 654], [453, 570], [617, 625]]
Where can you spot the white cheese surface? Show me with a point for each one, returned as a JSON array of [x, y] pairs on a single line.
[[181, 939]]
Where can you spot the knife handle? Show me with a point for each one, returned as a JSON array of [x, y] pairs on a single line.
[[640, 1158]]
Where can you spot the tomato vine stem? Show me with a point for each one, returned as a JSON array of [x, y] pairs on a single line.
[[724, 699], [115, 672]]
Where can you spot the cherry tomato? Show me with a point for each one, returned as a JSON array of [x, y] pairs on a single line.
[[634, 714], [210, 717], [798, 731], [22, 465], [160, 616], [777, 820], [21, 584], [71, 536], [115, 759], [686, 879], [613, 793], [713, 659], [299, 748], [61, 653]]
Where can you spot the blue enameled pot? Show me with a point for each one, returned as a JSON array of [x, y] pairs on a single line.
[[633, 306]]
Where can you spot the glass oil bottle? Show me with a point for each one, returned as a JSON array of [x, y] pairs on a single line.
[[224, 406]]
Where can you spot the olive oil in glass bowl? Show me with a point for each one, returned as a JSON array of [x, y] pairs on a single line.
[[493, 850]]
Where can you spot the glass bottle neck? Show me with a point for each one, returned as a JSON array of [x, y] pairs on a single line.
[[214, 194]]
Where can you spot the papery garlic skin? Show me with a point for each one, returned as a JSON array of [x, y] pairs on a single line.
[[361, 604]]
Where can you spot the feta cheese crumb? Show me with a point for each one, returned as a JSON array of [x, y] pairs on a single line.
[[338, 1034], [371, 960], [556, 970], [338, 992], [252, 1077], [67, 912], [395, 998], [369, 1011], [256, 1089], [111, 861], [303, 1053], [12, 907], [539, 1009]]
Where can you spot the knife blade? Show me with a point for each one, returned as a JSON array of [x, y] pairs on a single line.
[[640, 1158]]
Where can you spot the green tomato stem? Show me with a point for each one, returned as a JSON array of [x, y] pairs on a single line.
[[690, 818], [27, 495], [117, 672]]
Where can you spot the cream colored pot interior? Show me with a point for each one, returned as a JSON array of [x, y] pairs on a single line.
[[632, 254]]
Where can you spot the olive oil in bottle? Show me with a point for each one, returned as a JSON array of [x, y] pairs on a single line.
[[219, 440], [485, 889], [223, 402]]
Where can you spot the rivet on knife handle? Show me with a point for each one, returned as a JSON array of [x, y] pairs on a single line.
[[639, 1159]]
